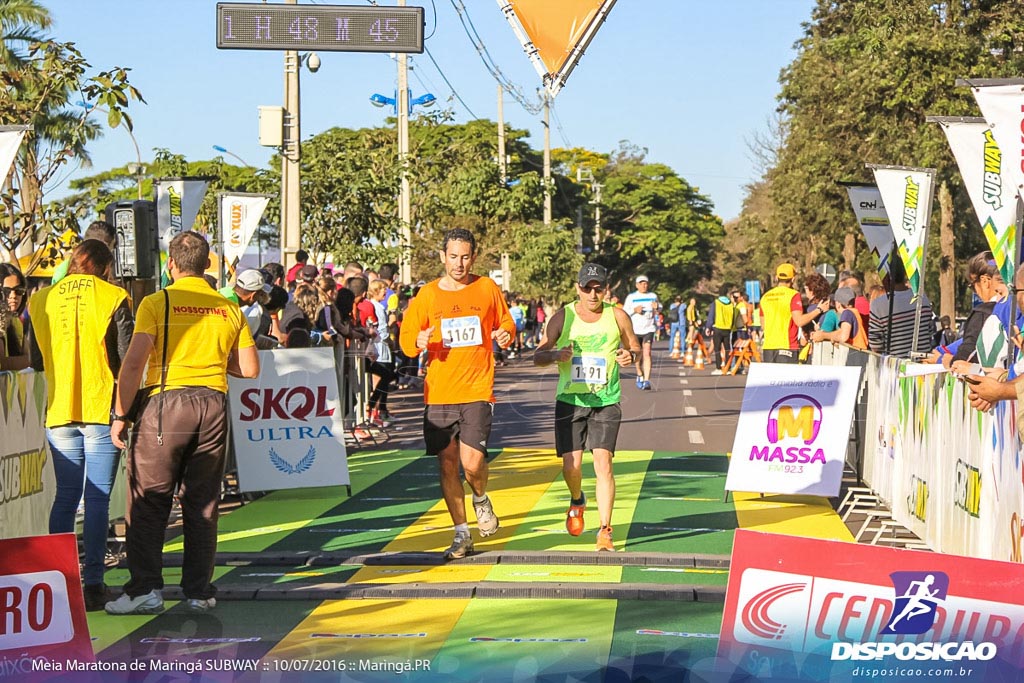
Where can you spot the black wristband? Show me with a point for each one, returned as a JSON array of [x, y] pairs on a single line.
[[114, 417]]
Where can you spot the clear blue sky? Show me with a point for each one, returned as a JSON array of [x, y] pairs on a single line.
[[690, 80]]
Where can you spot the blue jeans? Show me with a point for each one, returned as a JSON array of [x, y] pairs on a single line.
[[674, 329], [84, 458]]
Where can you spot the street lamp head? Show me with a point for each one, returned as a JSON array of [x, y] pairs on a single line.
[[313, 62], [425, 100], [378, 100], [220, 149]]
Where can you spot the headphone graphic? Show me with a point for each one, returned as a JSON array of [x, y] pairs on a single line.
[[773, 421]]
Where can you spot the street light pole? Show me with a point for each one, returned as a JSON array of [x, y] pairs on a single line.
[[290, 155], [547, 158], [404, 198], [502, 168]]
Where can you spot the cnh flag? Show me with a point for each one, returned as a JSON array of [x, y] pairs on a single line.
[[907, 192], [989, 186], [239, 217], [177, 205], [873, 221]]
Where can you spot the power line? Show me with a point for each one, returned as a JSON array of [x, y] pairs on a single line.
[[558, 125], [450, 86], [489, 63]]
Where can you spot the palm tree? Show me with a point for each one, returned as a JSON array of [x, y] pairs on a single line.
[[20, 24]]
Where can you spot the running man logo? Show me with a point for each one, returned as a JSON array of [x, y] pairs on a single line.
[[794, 416], [968, 488], [910, 197], [917, 501], [918, 594], [992, 183], [755, 613]]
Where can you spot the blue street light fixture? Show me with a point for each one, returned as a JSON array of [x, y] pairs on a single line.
[[424, 100], [224, 150]]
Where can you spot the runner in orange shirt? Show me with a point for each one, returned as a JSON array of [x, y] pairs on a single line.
[[455, 318]]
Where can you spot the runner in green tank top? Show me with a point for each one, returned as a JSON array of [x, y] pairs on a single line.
[[590, 341]]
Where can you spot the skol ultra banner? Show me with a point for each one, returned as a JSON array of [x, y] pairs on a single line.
[[43, 630], [793, 429], [816, 610], [287, 423], [873, 221], [177, 205], [240, 216], [27, 481], [989, 186], [907, 193]]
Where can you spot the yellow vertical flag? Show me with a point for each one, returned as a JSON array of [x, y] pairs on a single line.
[[556, 27]]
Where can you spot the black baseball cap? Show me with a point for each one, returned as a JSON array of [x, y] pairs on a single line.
[[592, 272]]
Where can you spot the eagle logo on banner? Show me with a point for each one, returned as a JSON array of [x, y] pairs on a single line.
[[282, 465]]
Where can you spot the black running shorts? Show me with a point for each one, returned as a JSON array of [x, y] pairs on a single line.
[[645, 338], [579, 428], [781, 356], [470, 423]]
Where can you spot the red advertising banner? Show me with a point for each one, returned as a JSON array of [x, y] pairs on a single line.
[[817, 609], [42, 612]]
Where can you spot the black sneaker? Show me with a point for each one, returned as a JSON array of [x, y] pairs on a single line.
[[96, 596]]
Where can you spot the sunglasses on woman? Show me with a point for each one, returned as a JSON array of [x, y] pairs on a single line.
[[17, 291]]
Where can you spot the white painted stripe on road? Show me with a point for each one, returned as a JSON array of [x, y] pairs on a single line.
[[684, 381], [696, 436], [690, 410], [687, 392]]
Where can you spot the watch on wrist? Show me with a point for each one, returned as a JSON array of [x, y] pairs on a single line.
[[115, 417]]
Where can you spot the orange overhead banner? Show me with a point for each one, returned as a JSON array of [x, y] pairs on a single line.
[[555, 33], [555, 26]]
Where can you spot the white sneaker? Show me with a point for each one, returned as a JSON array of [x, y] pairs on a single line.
[[716, 372], [196, 605], [486, 520], [150, 603], [460, 547]]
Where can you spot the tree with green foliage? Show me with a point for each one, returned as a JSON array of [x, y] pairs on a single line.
[[41, 78], [866, 75], [656, 223]]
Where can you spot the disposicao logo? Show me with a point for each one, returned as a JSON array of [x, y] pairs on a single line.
[[795, 417], [918, 597]]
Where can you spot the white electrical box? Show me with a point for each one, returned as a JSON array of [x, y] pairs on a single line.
[[271, 126]]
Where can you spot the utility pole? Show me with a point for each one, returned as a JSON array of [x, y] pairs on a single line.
[[502, 168], [404, 198], [547, 159], [596, 187], [290, 155]]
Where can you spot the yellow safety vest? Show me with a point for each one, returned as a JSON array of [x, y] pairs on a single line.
[[70, 321]]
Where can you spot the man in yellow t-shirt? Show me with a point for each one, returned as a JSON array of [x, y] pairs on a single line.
[[456, 318], [782, 316], [180, 431]]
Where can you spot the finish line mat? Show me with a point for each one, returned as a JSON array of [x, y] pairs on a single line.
[[666, 503]]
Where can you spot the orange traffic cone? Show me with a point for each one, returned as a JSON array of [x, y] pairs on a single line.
[[676, 344], [688, 356], [698, 364]]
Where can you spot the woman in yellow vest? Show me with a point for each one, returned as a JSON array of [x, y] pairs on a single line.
[[78, 344]]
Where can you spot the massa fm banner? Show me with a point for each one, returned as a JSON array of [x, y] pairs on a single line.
[[792, 431]]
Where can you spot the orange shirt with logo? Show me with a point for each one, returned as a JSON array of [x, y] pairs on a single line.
[[461, 361]]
